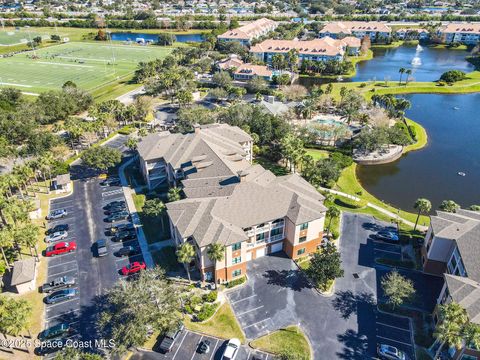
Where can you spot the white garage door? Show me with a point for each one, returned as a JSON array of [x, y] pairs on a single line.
[[277, 247], [260, 253]]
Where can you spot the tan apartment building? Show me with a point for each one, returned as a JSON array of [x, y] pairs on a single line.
[[452, 250], [229, 201], [373, 29], [245, 34], [465, 33]]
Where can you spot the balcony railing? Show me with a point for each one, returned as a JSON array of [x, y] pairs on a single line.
[[276, 238]]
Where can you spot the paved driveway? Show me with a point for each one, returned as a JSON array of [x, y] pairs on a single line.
[[346, 325]]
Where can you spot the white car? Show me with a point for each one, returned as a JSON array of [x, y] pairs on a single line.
[[56, 236], [390, 352], [231, 350]]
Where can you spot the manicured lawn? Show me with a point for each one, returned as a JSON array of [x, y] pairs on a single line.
[[223, 325], [290, 340], [155, 229], [166, 258], [317, 154], [421, 134]]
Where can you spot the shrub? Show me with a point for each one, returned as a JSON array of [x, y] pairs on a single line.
[[413, 132], [126, 130], [235, 282], [207, 312], [452, 76], [195, 300], [210, 297], [188, 309], [362, 85]]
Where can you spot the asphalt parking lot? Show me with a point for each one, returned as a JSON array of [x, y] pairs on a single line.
[[92, 274], [185, 348], [395, 331]]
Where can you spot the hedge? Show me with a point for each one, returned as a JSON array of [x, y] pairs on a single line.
[[210, 297], [207, 312], [236, 282]]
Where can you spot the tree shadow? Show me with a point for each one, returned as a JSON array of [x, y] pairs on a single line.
[[348, 303], [292, 279], [355, 345]]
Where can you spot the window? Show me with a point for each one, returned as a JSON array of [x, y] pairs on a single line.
[[301, 251], [236, 246], [276, 232], [237, 260], [236, 273], [302, 239], [261, 237], [304, 226]]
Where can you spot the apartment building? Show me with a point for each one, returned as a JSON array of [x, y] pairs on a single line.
[[245, 34], [452, 250], [216, 150], [412, 34], [465, 33], [373, 29], [323, 49]]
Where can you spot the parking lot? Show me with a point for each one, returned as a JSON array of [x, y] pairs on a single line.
[[186, 345], [92, 274], [386, 250], [395, 331]]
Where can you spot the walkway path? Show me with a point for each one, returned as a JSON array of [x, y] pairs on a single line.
[[376, 207], [127, 191]]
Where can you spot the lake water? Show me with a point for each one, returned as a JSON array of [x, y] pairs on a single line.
[[453, 146], [125, 36]]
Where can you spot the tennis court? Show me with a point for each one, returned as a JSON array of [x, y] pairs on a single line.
[[89, 65]]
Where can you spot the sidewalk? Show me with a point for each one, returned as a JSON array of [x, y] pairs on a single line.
[[127, 191]]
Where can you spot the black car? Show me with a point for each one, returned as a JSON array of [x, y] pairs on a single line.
[[118, 228], [124, 235], [204, 347], [101, 247], [57, 228], [124, 215], [58, 283], [114, 210], [114, 204], [128, 251], [110, 182]]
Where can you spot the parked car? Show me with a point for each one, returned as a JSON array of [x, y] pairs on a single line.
[[47, 347], [61, 248], [57, 214], [204, 347], [390, 352], [133, 268], [114, 203], [231, 350], [124, 215], [115, 209], [122, 227], [124, 235], [56, 236], [55, 332], [101, 247], [388, 236], [60, 295], [169, 339], [110, 182], [128, 251], [57, 228], [58, 283]]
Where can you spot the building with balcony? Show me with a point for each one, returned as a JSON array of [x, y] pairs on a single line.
[[245, 34], [375, 30], [412, 34], [465, 33], [246, 72], [452, 250]]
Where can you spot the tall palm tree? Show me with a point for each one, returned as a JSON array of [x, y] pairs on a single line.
[[216, 252], [453, 319], [401, 71], [6, 241], [423, 206], [185, 254], [471, 336], [408, 72], [27, 236], [332, 212]]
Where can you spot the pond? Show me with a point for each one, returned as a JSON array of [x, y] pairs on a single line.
[[453, 126], [131, 36], [426, 63]]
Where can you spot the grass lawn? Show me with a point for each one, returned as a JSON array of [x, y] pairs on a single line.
[[290, 340], [166, 258], [155, 229], [421, 134], [317, 154], [223, 325], [89, 65]]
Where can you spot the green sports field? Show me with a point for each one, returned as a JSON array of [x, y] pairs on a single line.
[[11, 36], [89, 65]]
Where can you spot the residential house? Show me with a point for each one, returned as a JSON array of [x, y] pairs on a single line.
[[452, 250], [465, 33], [373, 29], [245, 34], [247, 72], [233, 62]]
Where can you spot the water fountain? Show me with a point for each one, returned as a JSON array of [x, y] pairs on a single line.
[[416, 61]]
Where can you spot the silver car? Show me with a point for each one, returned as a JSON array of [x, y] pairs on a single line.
[[390, 352], [57, 214], [56, 236]]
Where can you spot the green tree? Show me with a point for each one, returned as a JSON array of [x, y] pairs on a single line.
[[325, 266], [449, 206], [185, 254], [408, 72], [222, 79], [55, 37], [101, 157], [292, 150], [154, 208], [166, 39], [452, 320], [14, 315], [397, 288], [132, 143], [423, 206], [401, 71], [453, 76], [129, 309], [174, 194], [216, 253], [71, 353], [333, 212]]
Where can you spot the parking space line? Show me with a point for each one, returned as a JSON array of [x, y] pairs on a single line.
[[400, 342], [63, 314], [258, 322], [63, 272], [248, 311], [180, 345], [388, 251], [51, 306], [395, 327], [65, 263], [215, 348], [195, 351], [248, 297]]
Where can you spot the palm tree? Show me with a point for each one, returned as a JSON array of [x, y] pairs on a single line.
[[15, 315], [185, 254], [216, 252], [471, 336], [408, 72], [423, 206], [401, 71], [154, 208], [6, 241], [453, 319], [332, 212], [28, 235], [174, 194]]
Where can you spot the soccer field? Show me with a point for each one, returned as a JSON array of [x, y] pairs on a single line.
[[89, 65], [11, 36]]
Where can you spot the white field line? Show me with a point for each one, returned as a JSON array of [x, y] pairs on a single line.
[[14, 84], [63, 64]]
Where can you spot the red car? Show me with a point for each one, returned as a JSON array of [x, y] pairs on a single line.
[[61, 248], [133, 268]]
